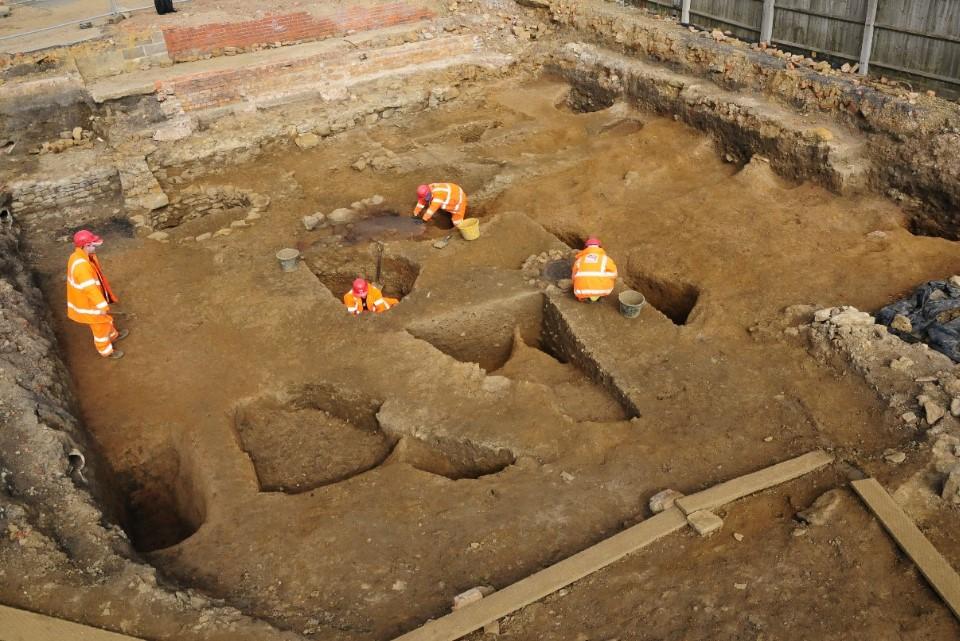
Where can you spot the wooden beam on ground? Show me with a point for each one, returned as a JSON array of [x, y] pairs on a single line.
[[524, 592], [20, 625], [737, 488], [932, 565]]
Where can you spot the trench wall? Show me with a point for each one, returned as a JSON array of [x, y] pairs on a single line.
[[911, 138], [277, 82], [58, 509], [42, 481], [36, 196]]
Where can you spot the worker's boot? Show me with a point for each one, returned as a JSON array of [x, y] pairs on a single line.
[[122, 335], [116, 355]]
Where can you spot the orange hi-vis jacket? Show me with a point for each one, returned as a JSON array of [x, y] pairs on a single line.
[[375, 302], [88, 292], [594, 273], [446, 196]]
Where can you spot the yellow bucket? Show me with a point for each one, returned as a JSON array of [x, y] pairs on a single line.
[[470, 229]]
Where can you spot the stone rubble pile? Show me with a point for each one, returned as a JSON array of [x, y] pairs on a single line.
[[344, 215], [77, 137], [198, 201], [921, 387], [533, 269]]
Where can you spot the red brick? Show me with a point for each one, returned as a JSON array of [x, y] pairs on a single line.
[[287, 28]]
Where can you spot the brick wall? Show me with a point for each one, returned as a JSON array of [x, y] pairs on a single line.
[[188, 42], [289, 78]]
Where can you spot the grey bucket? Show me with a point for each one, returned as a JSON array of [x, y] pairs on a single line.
[[631, 302], [288, 259]]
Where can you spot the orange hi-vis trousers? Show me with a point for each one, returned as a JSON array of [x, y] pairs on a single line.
[[103, 336]]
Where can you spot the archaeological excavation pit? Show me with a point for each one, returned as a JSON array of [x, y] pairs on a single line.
[[261, 465]]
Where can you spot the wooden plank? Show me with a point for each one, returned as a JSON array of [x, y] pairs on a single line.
[[20, 625], [462, 622], [739, 487], [526, 591], [932, 565]]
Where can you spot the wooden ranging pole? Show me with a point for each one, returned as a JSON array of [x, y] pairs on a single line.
[[766, 22], [866, 46]]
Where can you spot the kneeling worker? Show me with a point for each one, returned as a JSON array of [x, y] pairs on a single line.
[[364, 297], [89, 295], [594, 273], [436, 196]]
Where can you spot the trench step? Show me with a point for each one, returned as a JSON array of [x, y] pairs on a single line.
[[798, 147]]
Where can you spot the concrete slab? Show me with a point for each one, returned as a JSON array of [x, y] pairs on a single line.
[[705, 522]]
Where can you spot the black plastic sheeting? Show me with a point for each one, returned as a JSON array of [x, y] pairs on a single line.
[[934, 314]]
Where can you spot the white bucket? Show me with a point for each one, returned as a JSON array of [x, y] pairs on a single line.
[[288, 259]]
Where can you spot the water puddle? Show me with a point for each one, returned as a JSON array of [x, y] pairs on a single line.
[[384, 228]]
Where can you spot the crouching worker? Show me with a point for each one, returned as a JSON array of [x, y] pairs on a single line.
[[89, 295], [441, 196], [364, 297], [594, 273]]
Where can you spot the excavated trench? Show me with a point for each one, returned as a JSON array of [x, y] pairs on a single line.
[[328, 433], [321, 434], [163, 505], [674, 298], [530, 342], [338, 267]]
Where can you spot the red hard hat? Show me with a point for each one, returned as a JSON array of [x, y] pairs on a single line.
[[423, 192], [86, 237], [360, 287], [593, 241]]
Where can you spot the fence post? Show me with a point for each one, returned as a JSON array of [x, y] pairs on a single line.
[[685, 12], [766, 22], [866, 48]]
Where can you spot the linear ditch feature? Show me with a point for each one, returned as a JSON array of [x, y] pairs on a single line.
[[567, 347], [673, 298], [522, 342]]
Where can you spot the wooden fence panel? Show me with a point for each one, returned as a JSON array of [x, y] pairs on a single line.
[[828, 27], [740, 17], [919, 36]]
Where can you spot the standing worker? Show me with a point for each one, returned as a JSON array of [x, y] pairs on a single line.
[[446, 196], [594, 273], [364, 297], [89, 295]]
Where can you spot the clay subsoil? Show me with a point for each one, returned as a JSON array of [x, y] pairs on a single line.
[[428, 474]]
